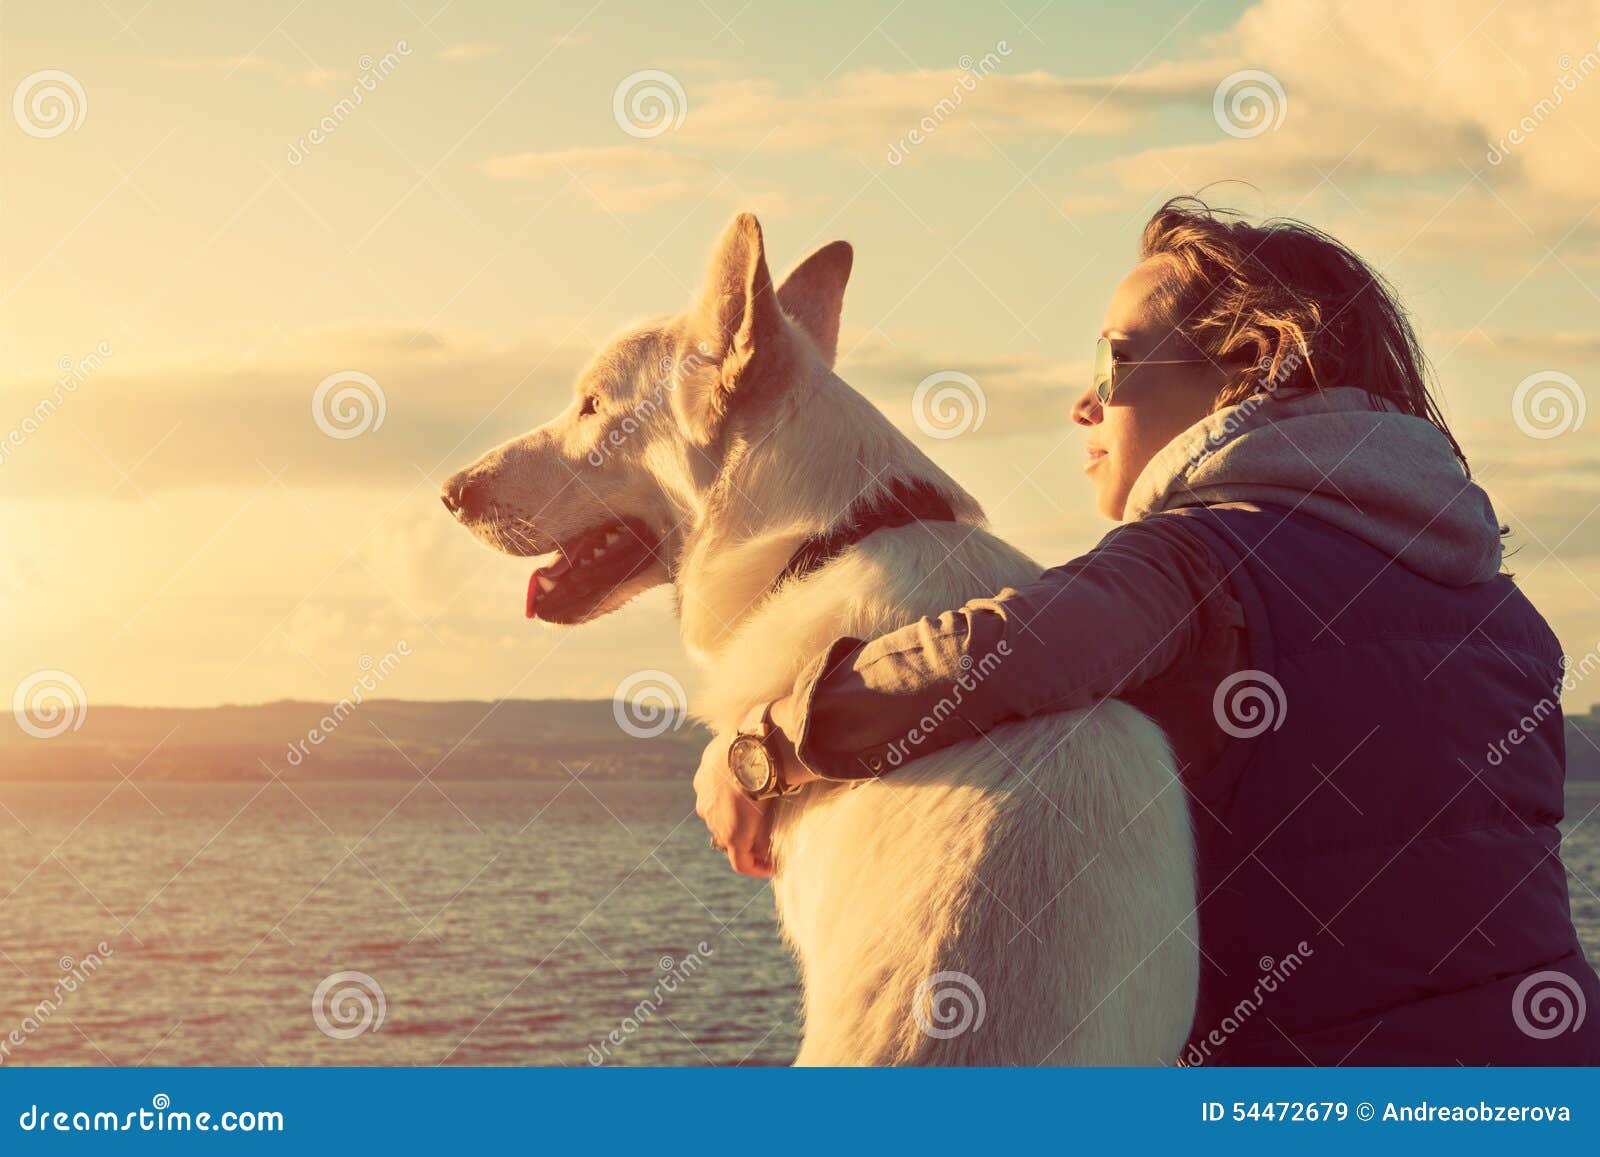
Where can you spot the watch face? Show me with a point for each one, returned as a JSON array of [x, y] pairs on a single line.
[[750, 763]]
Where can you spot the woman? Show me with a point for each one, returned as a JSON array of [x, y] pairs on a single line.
[[1305, 592]]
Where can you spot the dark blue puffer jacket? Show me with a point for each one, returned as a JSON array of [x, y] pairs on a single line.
[[1379, 866]]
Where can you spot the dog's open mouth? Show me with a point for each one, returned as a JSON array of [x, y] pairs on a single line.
[[588, 571]]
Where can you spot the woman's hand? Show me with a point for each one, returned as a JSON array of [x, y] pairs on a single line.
[[740, 826]]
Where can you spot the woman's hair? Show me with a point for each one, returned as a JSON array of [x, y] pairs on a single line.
[[1288, 305]]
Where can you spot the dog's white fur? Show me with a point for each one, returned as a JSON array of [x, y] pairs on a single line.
[[1050, 862]]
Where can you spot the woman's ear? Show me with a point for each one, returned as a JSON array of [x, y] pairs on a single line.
[[1252, 352], [737, 320]]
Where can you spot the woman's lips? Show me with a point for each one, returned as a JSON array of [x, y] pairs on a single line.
[[1095, 458]]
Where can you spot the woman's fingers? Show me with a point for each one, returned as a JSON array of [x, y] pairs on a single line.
[[749, 842], [747, 862], [739, 826]]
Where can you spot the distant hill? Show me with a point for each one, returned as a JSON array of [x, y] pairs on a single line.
[[388, 738], [395, 738]]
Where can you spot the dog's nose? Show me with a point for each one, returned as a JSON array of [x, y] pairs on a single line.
[[461, 496]]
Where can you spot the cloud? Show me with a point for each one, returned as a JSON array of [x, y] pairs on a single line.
[[1554, 347], [313, 76], [634, 178], [468, 53], [1472, 124], [866, 113], [876, 117], [1430, 103], [1018, 391], [311, 629], [444, 399]]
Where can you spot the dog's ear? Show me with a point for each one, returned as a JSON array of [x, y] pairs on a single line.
[[813, 295], [737, 321]]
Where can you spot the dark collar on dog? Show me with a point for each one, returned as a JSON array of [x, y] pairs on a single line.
[[900, 505]]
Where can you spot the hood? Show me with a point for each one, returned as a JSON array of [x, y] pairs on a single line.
[[1345, 457]]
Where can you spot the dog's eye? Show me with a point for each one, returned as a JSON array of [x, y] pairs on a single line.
[[591, 405]]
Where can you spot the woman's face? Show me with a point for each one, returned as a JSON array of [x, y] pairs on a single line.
[[1152, 403]]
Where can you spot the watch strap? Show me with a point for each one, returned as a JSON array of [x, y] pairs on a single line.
[[757, 721], [758, 725]]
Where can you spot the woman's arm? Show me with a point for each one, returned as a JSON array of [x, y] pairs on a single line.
[[1101, 624]]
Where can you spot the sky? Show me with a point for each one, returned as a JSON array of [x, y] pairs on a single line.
[[200, 224]]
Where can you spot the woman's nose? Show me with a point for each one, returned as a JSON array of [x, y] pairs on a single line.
[[1086, 410]]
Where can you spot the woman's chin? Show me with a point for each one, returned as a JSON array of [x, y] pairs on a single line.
[[1109, 500]]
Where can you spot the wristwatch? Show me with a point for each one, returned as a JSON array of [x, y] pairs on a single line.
[[753, 757]]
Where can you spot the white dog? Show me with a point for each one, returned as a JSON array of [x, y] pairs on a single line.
[[1023, 898]]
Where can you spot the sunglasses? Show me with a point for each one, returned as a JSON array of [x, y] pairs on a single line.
[[1106, 365]]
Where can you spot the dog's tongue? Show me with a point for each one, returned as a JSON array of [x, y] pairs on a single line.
[[533, 595], [549, 571]]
